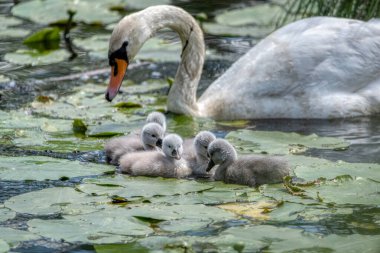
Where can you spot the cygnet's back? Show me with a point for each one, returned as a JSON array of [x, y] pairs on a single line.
[[196, 154], [252, 170], [150, 138], [168, 163]]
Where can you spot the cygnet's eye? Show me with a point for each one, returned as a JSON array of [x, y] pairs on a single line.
[[154, 136], [170, 146], [205, 147]]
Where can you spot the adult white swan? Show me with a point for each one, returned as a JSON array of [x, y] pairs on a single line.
[[313, 68]]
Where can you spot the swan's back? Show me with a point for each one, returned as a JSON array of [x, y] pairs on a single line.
[[313, 68], [256, 170]]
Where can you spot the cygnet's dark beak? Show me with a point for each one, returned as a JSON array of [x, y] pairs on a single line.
[[159, 143], [176, 155], [210, 165]]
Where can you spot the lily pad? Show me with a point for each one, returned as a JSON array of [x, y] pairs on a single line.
[[357, 191], [34, 57], [9, 21], [6, 29], [13, 236], [99, 230], [13, 32], [46, 168], [273, 142], [52, 11], [6, 214], [312, 168], [53, 201], [4, 247], [127, 187], [43, 35]]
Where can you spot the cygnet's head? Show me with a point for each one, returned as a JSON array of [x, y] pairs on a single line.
[[152, 135], [158, 118], [220, 151], [202, 141], [172, 146]]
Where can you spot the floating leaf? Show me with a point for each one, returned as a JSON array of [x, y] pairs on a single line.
[[52, 11], [4, 247], [43, 35], [79, 126], [34, 57], [6, 214], [312, 168], [13, 33], [274, 142], [126, 186], [46, 168], [13, 236], [102, 228], [53, 201]]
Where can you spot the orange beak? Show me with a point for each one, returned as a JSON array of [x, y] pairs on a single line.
[[116, 78]]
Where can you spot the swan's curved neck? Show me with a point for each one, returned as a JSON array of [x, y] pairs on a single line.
[[182, 95]]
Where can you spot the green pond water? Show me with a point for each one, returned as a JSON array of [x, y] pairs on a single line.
[[57, 194]]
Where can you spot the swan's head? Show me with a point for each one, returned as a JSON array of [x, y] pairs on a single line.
[[201, 142], [158, 118], [220, 151], [126, 40], [152, 135], [172, 146]]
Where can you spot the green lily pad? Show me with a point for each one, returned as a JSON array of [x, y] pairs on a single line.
[[99, 230], [58, 200], [34, 57], [13, 236], [6, 214], [6, 29], [13, 32], [126, 186], [52, 11], [43, 35], [357, 191], [273, 142], [46, 168], [79, 126], [220, 193], [4, 247], [9, 21], [312, 168], [281, 239]]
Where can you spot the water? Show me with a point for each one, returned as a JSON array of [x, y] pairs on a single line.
[[363, 134]]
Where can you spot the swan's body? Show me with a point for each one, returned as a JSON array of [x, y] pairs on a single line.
[[252, 170], [195, 152], [150, 138], [168, 163], [313, 68]]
